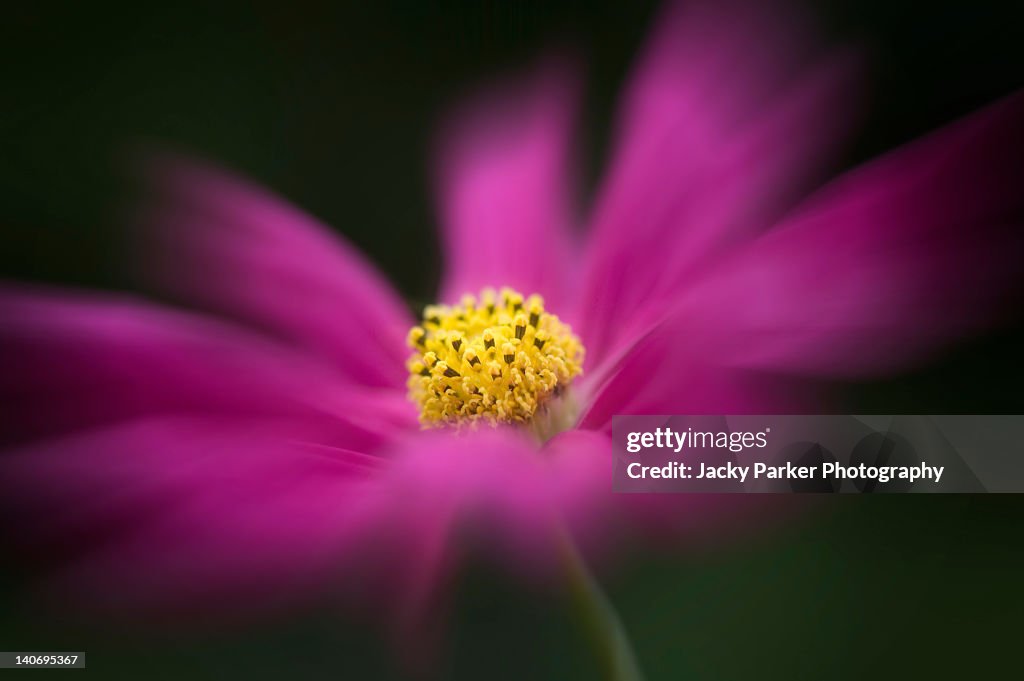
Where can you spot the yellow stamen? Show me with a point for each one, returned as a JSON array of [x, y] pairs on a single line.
[[496, 358]]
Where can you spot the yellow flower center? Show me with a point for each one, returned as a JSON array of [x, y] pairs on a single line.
[[498, 358]]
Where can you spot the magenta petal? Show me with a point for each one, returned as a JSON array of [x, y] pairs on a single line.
[[76, 360], [239, 251], [664, 373], [720, 128], [504, 495], [177, 515], [889, 263], [186, 515], [504, 190]]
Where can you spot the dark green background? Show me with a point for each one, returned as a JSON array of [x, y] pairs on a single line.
[[333, 107]]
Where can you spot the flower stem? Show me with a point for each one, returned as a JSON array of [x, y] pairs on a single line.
[[599, 620]]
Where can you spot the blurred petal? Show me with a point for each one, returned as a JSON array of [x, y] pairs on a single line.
[[73, 360], [720, 129], [504, 190], [177, 516], [883, 267], [664, 373], [503, 494], [235, 249], [173, 516]]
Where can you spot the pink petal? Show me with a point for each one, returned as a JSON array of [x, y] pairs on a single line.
[[884, 267], [176, 516], [503, 495], [664, 373], [72, 360], [721, 126], [504, 192], [235, 249], [888, 264]]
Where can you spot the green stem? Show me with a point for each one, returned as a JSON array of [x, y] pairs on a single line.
[[600, 621]]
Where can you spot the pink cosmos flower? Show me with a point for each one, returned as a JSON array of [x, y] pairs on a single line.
[[266, 449]]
